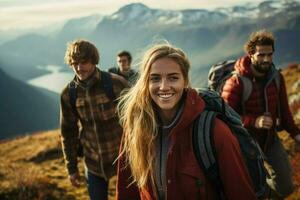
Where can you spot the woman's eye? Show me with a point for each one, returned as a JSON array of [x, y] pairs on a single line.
[[155, 78]]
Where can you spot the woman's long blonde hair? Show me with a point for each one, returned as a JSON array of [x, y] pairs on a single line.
[[138, 118]]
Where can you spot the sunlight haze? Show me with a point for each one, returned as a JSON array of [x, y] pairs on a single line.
[[27, 14]]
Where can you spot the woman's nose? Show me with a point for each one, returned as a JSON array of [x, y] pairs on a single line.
[[164, 84]]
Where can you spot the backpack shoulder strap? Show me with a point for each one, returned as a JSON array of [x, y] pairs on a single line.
[[73, 95], [247, 85], [247, 88], [107, 84], [203, 144], [277, 79], [277, 83]]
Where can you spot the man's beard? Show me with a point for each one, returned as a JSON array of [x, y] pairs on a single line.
[[262, 67]]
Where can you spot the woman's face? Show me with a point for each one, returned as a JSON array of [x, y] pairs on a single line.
[[166, 86]]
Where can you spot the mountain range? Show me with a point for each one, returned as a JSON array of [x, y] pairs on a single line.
[[208, 36]]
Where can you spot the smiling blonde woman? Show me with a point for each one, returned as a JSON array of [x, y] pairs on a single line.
[[156, 158]]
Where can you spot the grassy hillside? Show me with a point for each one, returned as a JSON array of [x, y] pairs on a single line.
[[32, 167]]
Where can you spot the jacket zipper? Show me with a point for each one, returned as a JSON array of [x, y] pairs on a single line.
[[267, 110]]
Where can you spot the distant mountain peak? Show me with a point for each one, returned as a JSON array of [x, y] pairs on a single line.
[[133, 7], [256, 10], [131, 12]]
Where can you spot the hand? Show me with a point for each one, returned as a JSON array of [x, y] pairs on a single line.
[[263, 121], [75, 179]]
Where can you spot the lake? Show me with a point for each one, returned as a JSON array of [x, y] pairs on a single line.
[[55, 80]]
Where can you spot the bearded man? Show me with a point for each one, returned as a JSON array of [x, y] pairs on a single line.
[[266, 110]]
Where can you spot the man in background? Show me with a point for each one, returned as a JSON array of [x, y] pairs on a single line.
[[267, 107], [88, 119], [124, 69]]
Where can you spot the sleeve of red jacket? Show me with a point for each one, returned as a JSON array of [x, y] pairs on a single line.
[[234, 176], [125, 189], [287, 120], [232, 94]]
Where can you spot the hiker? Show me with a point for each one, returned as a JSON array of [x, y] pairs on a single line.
[[156, 158], [124, 69], [266, 108], [90, 120]]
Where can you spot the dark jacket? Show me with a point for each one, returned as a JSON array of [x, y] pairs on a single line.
[[185, 178], [263, 97], [96, 123], [131, 76]]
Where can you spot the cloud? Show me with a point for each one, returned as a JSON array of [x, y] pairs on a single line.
[[32, 16], [15, 14]]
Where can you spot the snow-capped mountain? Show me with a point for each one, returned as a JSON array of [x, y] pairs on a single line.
[[261, 10], [208, 36], [139, 13]]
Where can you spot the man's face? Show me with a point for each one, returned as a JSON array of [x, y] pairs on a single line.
[[262, 58], [83, 70], [123, 63]]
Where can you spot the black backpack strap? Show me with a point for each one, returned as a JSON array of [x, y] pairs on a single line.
[[278, 82], [107, 84], [277, 79], [73, 96], [203, 144]]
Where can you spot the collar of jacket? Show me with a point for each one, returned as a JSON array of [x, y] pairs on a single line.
[[129, 73], [90, 81], [193, 106], [243, 67]]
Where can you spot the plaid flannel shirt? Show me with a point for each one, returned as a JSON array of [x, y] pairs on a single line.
[[95, 125]]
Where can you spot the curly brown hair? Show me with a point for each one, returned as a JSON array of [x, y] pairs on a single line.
[[261, 37], [80, 51]]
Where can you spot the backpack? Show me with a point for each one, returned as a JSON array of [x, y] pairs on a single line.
[[260, 172], [219, 73], [107, 85]]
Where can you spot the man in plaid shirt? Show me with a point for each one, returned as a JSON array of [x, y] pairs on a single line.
[[92, 122]]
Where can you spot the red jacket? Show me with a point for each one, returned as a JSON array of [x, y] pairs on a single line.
[[255, 105], [185, 178]]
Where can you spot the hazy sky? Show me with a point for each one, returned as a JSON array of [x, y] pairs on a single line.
[[19, 14]]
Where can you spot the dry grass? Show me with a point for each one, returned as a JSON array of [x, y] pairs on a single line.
[[291, 75], [32, 168]]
